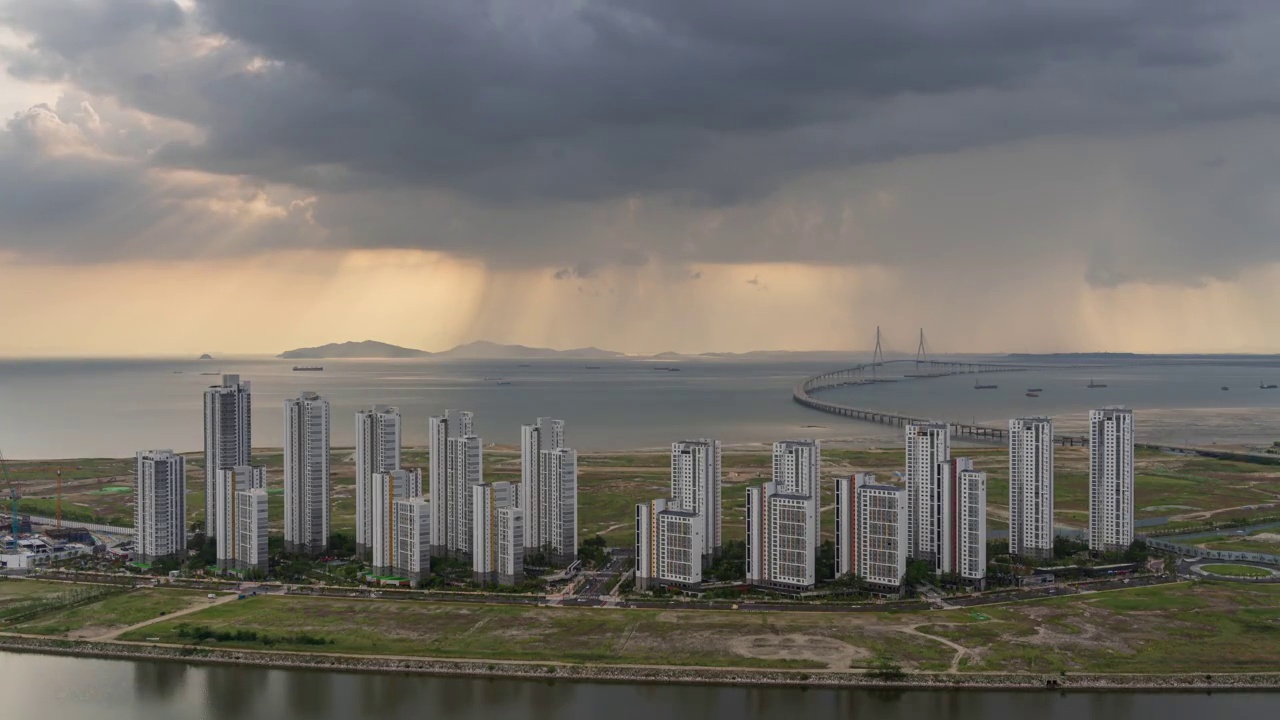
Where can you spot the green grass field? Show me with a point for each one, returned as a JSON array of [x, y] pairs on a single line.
[[1201, 627], [1244, 571], [110, 613]]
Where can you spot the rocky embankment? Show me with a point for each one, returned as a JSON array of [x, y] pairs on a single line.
[[623, 673]]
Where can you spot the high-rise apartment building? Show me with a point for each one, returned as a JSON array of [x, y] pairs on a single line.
[[670, 545], [928, 461], [1031, 487], [239, 531], [388, 489], [797, 466], [558, 470], [306, 474], [1110, 479], [377, 451], [454, 468], [228, 437], [965, 505], [783, 519], [160, 506], [871, 532], [412, 558], [251, 531], [696, 486], [492, 531], [546, 435]]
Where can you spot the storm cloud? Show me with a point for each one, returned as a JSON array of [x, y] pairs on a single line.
[[1130, 135]]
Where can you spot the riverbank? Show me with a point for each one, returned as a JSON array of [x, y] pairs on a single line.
[[509, 669]]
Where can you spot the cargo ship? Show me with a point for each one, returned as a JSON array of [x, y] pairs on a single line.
[[307, 368], [979, 386]]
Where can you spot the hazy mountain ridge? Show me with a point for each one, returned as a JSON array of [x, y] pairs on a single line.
[[352, 350], [479, 350]]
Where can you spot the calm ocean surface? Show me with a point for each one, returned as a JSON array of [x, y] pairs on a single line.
[[84, 408], [81, 689]]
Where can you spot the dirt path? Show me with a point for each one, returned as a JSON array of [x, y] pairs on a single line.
[[961, 651], [196, 606]]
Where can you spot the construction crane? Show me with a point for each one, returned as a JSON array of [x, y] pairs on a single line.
[[59, 505]]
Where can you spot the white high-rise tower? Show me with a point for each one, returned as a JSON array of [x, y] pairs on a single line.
[[928, 468], [160, 513], [228, 437], [377, 451], [696, 486], [1031, 487], [446, 500], [306, 474], [544, 436], [1110, 479]]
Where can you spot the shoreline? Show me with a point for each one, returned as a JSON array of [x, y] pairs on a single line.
[[711, 676]]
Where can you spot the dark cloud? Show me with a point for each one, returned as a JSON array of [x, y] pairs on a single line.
[[581, 134]]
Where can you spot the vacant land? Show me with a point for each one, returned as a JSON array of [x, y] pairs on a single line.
[[1187, 490], [1261, 541], [1193, 627], [80, 611]]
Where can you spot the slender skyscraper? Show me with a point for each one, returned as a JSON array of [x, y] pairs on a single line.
[[228, 437], [377, 451], [488, 501], [306, 474], [1031, 487], [558, 470], [546, 435], [444, 496], [965, 509], [928, 463], [466, 470], [1110, 479], [160, 513], [695, 486]]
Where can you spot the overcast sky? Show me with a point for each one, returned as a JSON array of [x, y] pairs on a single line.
[[643, 175]]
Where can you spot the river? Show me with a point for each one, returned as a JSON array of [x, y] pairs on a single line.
[[66, 688]]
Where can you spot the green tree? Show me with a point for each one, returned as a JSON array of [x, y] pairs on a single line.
[[593, 551]]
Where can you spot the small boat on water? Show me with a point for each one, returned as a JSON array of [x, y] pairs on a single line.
[[1031, 394], [523, 365], [307, 368], [503, 382], [1224, 387], [211, 373], [593, 367], [1265, 386], [1093, 384], [1035, 390], [673, 369], [979, 386]]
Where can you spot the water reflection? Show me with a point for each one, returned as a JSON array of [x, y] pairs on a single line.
[[78, 689], [234, 691], [159, 681]]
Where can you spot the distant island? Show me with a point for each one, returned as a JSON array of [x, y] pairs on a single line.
[[484, 350], [479, 350], [363, 349], [206, 356]]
